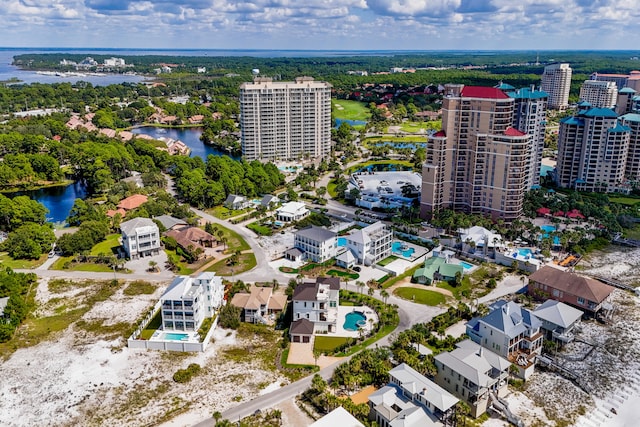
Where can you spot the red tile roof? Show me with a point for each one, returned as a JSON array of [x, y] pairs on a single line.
[[513, 132], [483, 92], [440, 134], [132, 202], [573, 284]]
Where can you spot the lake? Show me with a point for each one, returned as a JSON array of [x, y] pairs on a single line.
[[58, 200], [190, 136]]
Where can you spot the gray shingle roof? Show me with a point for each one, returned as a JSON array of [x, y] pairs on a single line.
[[318, 234], [558, 313], [129, 227]]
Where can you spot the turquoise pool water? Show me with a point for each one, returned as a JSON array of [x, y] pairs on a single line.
[[549, 229], [354, 320], [544, 169], [173, 336], [526, 252], [466, 265], [342, 241], [397, 248]]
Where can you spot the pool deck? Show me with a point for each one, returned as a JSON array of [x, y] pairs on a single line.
[[343, 310]]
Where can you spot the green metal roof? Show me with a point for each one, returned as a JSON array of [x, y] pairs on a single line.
[[527, 93], [631, 117], [619, 128], [576, 121], [626, 90], [600, 112]]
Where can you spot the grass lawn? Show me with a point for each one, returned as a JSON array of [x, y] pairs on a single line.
[[182, 267], [396, 279], [7, 261], [629, 201], [340, 273], [388, 260], [420, 296], [328, 344], [153, 326], [261, 230], [457, 290], [85, 266], [349, 110], [234, 241], [245, 263], [139, 287], [225, 213], [392, 139], [632, 233], [415, 127], [108, 246], [331, 189]]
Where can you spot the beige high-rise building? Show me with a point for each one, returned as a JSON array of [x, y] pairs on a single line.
[[478, 162], [593, 149], [556, 81], [600, 94], [285, 120]]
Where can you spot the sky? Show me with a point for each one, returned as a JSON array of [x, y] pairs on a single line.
[[322, 24]]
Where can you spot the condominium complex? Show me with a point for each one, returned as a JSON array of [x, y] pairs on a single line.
[[285, 120], [631, 80], [600, 94], [556, 81], [593, 148], [478, 162], [530, 117]]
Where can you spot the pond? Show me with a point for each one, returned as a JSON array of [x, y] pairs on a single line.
[[350, 122], [190, 136], [58, 200]]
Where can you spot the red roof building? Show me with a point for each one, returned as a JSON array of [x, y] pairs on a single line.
[[132, 202], [513, 132], [483, 92], [574, 213], [543, 211], [558, 213]]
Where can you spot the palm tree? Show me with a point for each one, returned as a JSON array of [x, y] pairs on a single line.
[[360, 285], [153, 266], [370, 292], [385, 295]]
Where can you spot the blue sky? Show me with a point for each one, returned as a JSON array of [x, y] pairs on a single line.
[[322, 24]]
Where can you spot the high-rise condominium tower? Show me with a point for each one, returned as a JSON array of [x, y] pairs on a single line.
[[593, 149], [600, 94], [285, 120], [478, 162], [530, 117], [556, 81]]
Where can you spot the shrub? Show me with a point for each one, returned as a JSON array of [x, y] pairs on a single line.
[[185, 375], [230, 317]]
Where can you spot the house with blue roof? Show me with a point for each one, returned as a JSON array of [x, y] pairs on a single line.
[[510, 331]]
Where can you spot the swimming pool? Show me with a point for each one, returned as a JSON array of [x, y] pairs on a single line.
[[354, 320], [466, 265], [397, 247], [173, 336], [550, 229], [525, 252], [342, 241]]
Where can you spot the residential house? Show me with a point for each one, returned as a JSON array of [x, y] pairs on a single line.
[[558, 320], [318, 302], [478, 238], [346, 259], [269, 200], [192, 239], [235, 202], [259, 303], [171, 223], [435, 269], [128, 204], [410, 399], [371, 243], [292, 211], [473, 374], [316, 243], [197, 119], [189, 300], [338, 417], [511, 331], [301, 330], [140, 238], [582, 292]]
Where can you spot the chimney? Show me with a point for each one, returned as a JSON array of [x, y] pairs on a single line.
[[505, 308], [480, 351]]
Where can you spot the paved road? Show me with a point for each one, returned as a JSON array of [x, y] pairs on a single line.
[[263, 272]]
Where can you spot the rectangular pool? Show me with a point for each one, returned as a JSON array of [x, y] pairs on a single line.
[[342, 241], [466, 265], [174, 336]]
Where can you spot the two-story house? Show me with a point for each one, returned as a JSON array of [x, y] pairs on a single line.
[[511, 331], [558, 320], [292, 211], [410, 399], [259, 304], [371, 243], [317, 244], [473, 373], [189, 300], [318, 303], [140, 238], [581, 292]]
